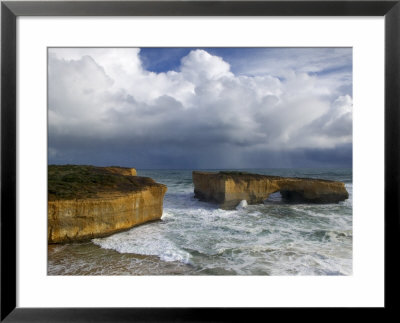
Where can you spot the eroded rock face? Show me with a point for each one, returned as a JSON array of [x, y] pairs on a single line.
[[122, 170], [126, 202], [229, 188]]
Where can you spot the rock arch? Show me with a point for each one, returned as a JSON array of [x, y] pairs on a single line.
[[227, 189]]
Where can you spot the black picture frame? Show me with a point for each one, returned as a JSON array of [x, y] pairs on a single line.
[[11, 10]]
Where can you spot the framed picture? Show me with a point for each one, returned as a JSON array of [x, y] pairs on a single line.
[[259, 91]]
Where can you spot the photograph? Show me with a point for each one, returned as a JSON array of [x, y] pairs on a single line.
[[195, 160], [200, 161]]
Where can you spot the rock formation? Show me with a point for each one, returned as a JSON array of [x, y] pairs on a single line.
[[228, 189], [121, 170], [86, 202]]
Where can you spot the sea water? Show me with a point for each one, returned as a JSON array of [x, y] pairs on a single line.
[[198, 238]]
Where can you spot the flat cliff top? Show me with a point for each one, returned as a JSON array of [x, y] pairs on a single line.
[[239, 175], [69, 182]]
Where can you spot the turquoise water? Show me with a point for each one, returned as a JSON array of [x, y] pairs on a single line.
[[197, 238]]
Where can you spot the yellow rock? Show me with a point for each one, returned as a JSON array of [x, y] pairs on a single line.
[[229, 188], [128, 201], [122, 170]]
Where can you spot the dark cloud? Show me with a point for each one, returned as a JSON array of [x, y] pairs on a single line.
[[106, 109]]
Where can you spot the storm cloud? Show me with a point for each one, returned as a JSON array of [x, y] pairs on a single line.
[[249, 108]]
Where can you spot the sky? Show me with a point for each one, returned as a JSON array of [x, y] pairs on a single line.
[[200, 108]]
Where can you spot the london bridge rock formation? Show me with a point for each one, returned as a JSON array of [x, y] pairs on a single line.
[[227, 189], [86, 202]]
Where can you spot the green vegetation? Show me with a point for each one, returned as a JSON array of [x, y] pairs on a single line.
[[81, 181], [235, 172], [246, 175], [240, 175]]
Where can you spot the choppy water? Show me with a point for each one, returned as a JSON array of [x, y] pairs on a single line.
[[197, 238]]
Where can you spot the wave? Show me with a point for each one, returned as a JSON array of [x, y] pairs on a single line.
[[329, 235], [144, 240]]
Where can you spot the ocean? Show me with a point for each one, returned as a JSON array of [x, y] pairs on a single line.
[[197, 238]]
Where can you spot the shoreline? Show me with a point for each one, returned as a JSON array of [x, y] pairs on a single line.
[[105, 262]]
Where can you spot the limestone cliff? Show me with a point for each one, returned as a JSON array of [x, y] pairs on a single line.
[[85, 202], [229, 188], [121, 170]]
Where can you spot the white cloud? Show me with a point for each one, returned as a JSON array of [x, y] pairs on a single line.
[[104, 94], [199, 67]]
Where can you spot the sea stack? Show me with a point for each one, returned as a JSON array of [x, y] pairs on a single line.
[[86, 202], [228, 189]]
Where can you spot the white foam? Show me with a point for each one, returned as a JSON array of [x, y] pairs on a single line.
[[144, 240], [167, 215], [242, 205]]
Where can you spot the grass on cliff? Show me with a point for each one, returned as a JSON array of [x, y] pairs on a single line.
[[80, 181], [240, 175]]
